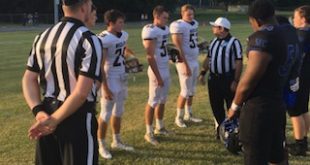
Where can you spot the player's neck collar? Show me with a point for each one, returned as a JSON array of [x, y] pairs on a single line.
[[191, 23], [161, 27], [116, 34], [74, 20]]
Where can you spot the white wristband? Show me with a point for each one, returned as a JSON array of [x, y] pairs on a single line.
[[235, 107]]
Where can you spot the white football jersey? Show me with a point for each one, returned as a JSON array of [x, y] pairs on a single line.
[[116, 45], [189, 31], [160, 35]]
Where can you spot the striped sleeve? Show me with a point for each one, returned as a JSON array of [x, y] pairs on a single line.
[[90, 65], [237, 49], [32, 63], [211, 47]]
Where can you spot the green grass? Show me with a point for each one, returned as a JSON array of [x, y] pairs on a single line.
[[193, 145]]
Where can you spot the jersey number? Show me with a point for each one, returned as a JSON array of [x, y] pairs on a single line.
[[163, 47], [292, 51], [192, 41], [119, 52]]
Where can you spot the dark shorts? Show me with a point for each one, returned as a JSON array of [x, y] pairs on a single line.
[[74, 142], [302, 94], [262, 131]]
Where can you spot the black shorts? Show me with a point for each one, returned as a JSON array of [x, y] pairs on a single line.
[[74, 142], [302, 99], [262, 130]]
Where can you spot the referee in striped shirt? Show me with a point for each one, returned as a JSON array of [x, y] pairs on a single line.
[[224, 61], [66, 58]]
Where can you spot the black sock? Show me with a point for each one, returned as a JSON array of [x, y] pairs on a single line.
[[299, 141]]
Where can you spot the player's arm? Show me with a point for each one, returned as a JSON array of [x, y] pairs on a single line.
[[177, 40], [149, 45], [238, 60], [205, 68], [104, 84], [128, 52], [31, 91], [31, 88], [238, 69], [258, 62], [294, 76], [30, 84]]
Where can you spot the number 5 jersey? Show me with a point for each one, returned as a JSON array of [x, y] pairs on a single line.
[[160, 36]]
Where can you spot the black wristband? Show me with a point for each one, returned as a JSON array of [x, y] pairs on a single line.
[[36, 109], [203, 72]]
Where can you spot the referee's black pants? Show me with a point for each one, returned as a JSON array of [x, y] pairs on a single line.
[[74, 141], [220, 92]]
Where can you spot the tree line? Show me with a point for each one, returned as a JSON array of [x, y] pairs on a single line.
[[127, 6]]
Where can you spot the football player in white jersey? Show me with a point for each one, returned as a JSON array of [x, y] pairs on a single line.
[[184, 33], [155, 37], [114, 88]]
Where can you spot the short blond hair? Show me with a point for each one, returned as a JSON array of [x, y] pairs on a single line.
[[187, 7]]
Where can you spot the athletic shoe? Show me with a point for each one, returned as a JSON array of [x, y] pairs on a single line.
[[297, 149], [162, 131], [104, 152], [151, 139], [180, 123], [121, 146], [192, 119]]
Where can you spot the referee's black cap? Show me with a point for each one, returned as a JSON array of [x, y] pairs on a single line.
[[261, 9], [71, 2]]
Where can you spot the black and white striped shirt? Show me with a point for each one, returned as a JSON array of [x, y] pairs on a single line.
[[223, 53], [63, 52]]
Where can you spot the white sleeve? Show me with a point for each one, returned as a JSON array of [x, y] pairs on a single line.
[[148, 34], [105, 42], [175, 28], [126, 35]]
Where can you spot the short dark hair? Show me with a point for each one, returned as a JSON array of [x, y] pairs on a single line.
[[112, 16], [282, 19], [304, 11], [158, 10], [73, 4], [261, 10]]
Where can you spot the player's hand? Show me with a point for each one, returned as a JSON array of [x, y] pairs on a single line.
[[233, 114], [108, 94], [188, 71], [294, 84], [41, 116], [202, 80], [160, 82], [42, 128], [233, 86]]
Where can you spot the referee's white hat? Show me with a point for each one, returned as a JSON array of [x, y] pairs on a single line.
[[221, 21]]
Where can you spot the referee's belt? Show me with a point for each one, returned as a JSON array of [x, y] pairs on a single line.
[[226, 74], [52, 104]]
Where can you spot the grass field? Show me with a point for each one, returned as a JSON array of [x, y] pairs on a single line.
[[193, 145]]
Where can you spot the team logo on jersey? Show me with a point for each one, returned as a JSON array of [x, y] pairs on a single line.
[[260, 42]]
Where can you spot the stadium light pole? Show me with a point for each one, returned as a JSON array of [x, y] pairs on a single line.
[[56, 2]]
